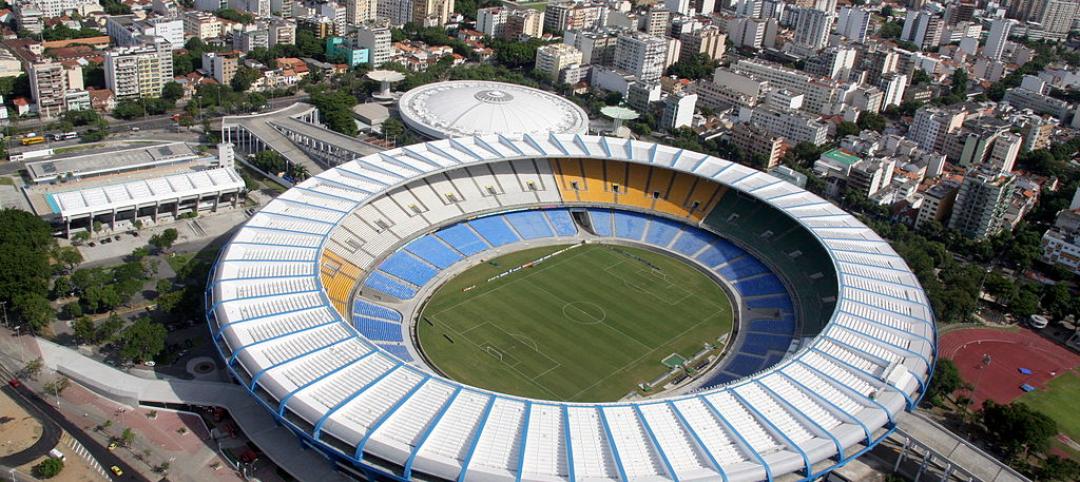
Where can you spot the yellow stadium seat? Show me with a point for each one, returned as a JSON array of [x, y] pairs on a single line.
[[634, 193], [568, 176], [595, 183]]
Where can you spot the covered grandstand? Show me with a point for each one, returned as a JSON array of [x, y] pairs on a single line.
[[303, 303]]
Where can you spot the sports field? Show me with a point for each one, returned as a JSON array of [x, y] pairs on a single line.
[[586, 325]]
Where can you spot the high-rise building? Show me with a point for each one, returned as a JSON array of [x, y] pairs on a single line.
[[812, 29], [375, 37], [1036, 132], [57, 8], [794, 126], [892, 86], [49, 84], [1061, 243], [923, 28], [432, 13], [397, 12], [937, 203], [681, 7], [753, 33], [932, 124], [574, 15], [708, 41], [999, 34], [554, 58], [853, 23], [764, 148], [678, 110], [222, 67], [138, 71], [597, 46], [360, 11], [203, 25], [1006, 149], [980, 206], [657, 21], [510, 23], [641, 54]]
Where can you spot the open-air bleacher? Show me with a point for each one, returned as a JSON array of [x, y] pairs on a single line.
[[530, 224], [630, 225], [381, 282], [430, 249], [760, 285], [404, 266], [462, 239], [378, 330], [561, 220], [495, 230], [397, 350], [366, 308]]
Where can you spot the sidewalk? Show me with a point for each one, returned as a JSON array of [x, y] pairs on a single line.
[[278, 443]]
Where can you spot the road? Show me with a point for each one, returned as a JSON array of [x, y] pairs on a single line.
[[44, 408], [50, 434]]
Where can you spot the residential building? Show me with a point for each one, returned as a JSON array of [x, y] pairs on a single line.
[[126, 31], [812, 29], [853, 23], [932, 124], [222, 67], [981, 203], [48, 86], [729, 89], [565, 15], [822, 95], [259, 8], [395, 12], [681, 7], [1005, 151], [794, 126], [642, 55], [59, 8], [764, 148], [1030, 95], [641, 95], [1036, 131], [249, 40], [1058, 16], [871, 175], [359, 11], [657, 21], [281, 32], [510, 23], [1061, 243], [597, 46], [923, 28], [937, 203], [754, 33], [678, 111], [708, 41], [999, 35], [203, 25], [892, 86], [833, 62], [432, 13], [138, 71], [338, 49], [375, 37], [554, 58]]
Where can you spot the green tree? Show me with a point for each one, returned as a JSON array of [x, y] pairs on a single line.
[[946, 381], [1026, 302], [694, 67], [172, 91], [71, 310], [57, 386], [845, 129], [921, 77], [109, 329], [1058, 468], [68, 256], [127, 437], [164, 241], [959, 82], [35, 310], [871, 121], [32, 369], [85, 330], [244, 78], [142, 340], [1059, 302], [1017, 429], [128, 109], [48, 468]]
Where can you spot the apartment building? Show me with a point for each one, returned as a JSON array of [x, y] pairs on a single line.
[[138, 71]]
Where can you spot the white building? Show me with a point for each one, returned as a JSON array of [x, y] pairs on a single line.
[[1061, 243], [554, 58], [203, 25], [853, 23], [999, 35], [1006, 149], [678, 111], [57, 8], [375, 36], [138, 71], [795, 126], [642, 55], [812, 29], [360, 11]]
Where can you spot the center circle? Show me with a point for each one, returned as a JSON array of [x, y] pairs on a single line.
[[584, 312], [494, 96]]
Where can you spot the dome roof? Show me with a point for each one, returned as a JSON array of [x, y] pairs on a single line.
[[464, 108]]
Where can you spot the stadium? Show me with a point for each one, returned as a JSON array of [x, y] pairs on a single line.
[[319, 305]]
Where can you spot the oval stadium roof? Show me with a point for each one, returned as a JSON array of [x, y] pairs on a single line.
[[463, 108], [341, 393]]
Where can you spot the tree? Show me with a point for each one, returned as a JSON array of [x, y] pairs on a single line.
[[71, 310], [127, 437], [26, 242], [845, 129], [48, 468], [109, 329], [921, 77], [164, 240], [32, 368], [698, 66], [128, 109], [946, 381], [35, 310], [85, 330], [1059, 302], [891, 30], [1026, 302], [142, 341], [871, 121], [959, 82], [244, 78], [172, 91], [68, 256], [1058, 468], [57, 387], [1017, 429]]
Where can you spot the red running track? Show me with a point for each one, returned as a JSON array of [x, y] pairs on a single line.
[[1009, 351]]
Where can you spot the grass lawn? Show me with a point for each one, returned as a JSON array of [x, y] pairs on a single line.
[[1056, 399], [7, 181], [586, 326]]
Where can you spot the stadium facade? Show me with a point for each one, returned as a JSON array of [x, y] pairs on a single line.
[[287, 294]]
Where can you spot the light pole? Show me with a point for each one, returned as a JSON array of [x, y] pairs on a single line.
[[4, 304], [18, 341]]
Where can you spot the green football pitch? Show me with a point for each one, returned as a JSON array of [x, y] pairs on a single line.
[[587, 325]]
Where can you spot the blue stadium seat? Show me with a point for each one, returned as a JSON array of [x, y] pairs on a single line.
[[601, 221], [630, 225], [761, 344], [381, 282], [366, 308], [461, 238], [718, 253], [495, 230], [743, 365], [692, 240], [742, 268], [564, 224], [661, 232], [430, 249], [398, 351], [785, 325], [530, 224], [764, 285], [377, 330], [779, 302], [408, 268]]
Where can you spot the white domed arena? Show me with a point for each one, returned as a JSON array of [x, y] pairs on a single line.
[[314, 305], [464, 108]]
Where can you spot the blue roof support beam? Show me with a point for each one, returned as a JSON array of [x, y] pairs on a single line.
[[611, 443], [698, 440], [742, 440], [476, 438], [359, 455], [656, 444], [524, 439], [427, 432], [285, 400]]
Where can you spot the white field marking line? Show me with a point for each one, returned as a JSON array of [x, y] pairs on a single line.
[[549, 370], [545, 355], [638, 359], [663, 299], [525, 338], [635, 340], [544, 267], [571, 305], [522, 375]]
